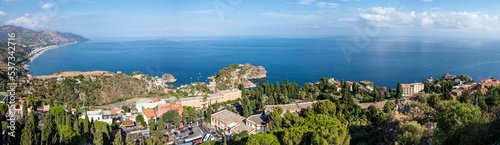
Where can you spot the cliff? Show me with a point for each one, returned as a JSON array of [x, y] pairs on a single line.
[[169, 78], [31, 43], [232, 75]]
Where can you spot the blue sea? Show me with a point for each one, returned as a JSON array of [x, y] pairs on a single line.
[[385, 61]]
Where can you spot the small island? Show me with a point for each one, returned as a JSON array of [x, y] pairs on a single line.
[[169, 78]]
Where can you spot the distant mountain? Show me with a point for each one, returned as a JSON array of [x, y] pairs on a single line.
[[35, 38], [28, 39]]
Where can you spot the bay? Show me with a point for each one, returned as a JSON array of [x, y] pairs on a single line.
[[385, 61]]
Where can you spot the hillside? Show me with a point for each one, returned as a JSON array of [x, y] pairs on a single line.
[[28, 41], [97, 87], [232, 75]]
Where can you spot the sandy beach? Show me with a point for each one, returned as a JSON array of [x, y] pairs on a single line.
[[39, 51]]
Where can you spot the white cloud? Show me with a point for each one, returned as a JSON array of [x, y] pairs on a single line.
[[306, 2], [326, 5], [319, 4], [199, 11], [293, 16], [391, 17], [2, 15], [30, 21], [48, 6]]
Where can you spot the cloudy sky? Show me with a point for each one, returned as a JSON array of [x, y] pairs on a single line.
[[296, 18]]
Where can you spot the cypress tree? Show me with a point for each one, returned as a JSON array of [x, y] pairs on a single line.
[[209, 113], [29, 133], [86, 128], [399, 91], [68, 120], [50, 134], [118, 139], [76, 126], [129, 141], [98, 139]]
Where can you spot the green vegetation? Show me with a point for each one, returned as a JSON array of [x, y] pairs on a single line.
[[262, 139], [140, 119], [172, 116], [409, 132], [224, 77]]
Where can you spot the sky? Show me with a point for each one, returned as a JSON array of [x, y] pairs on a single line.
[[291, 18]]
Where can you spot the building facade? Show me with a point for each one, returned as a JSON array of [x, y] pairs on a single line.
[[233, 122], [162, 108], [411, 89], [218, 97]]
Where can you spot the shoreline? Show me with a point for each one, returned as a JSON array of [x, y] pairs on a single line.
[[40, 50]]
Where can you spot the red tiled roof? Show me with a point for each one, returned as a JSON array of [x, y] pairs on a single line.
[[128, 123], [148, 113]]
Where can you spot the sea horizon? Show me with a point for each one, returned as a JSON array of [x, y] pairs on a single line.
[[332, 63]]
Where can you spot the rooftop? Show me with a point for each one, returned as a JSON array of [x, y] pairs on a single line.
[[128, 123], [148, 113], [257, 119], [290, 106], [232, 120]]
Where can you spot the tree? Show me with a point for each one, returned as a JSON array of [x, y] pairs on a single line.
[[388, 106], [275, 118], [189, 114], [59, 111], [29, 131], [399, 91], [458, 122], [262, 139], [209, 114], [129, 141], [68, 136], [140, 119], [49, 130], [125, 108], [98, 138], [86, 128], [161, 125], [240, 138], [118, 139], [68, 120], [245, 105], [151, 124], [76, 126], [325, 107], [409, 132], [323, 128]]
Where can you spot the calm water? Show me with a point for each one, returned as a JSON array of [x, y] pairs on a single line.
[[384, 61]]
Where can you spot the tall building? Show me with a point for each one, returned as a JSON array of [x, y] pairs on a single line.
[[411, 89]]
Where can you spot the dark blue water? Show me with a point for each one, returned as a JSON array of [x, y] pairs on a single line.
[[385, 61]]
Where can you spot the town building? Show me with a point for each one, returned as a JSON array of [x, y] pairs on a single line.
[[411, 89], [146, 103], [162, 108], [148, 114], [99, 115], [233, 122], [218, 97], [195, 102], [258, 122], [298, 107], [128, 123]]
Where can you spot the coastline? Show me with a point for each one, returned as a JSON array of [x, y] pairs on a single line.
[[40, 50]]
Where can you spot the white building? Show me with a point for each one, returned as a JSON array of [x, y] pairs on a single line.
[[146, 104], [103, 116]]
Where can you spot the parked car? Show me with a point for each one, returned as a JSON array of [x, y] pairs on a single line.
[[191, 133]]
